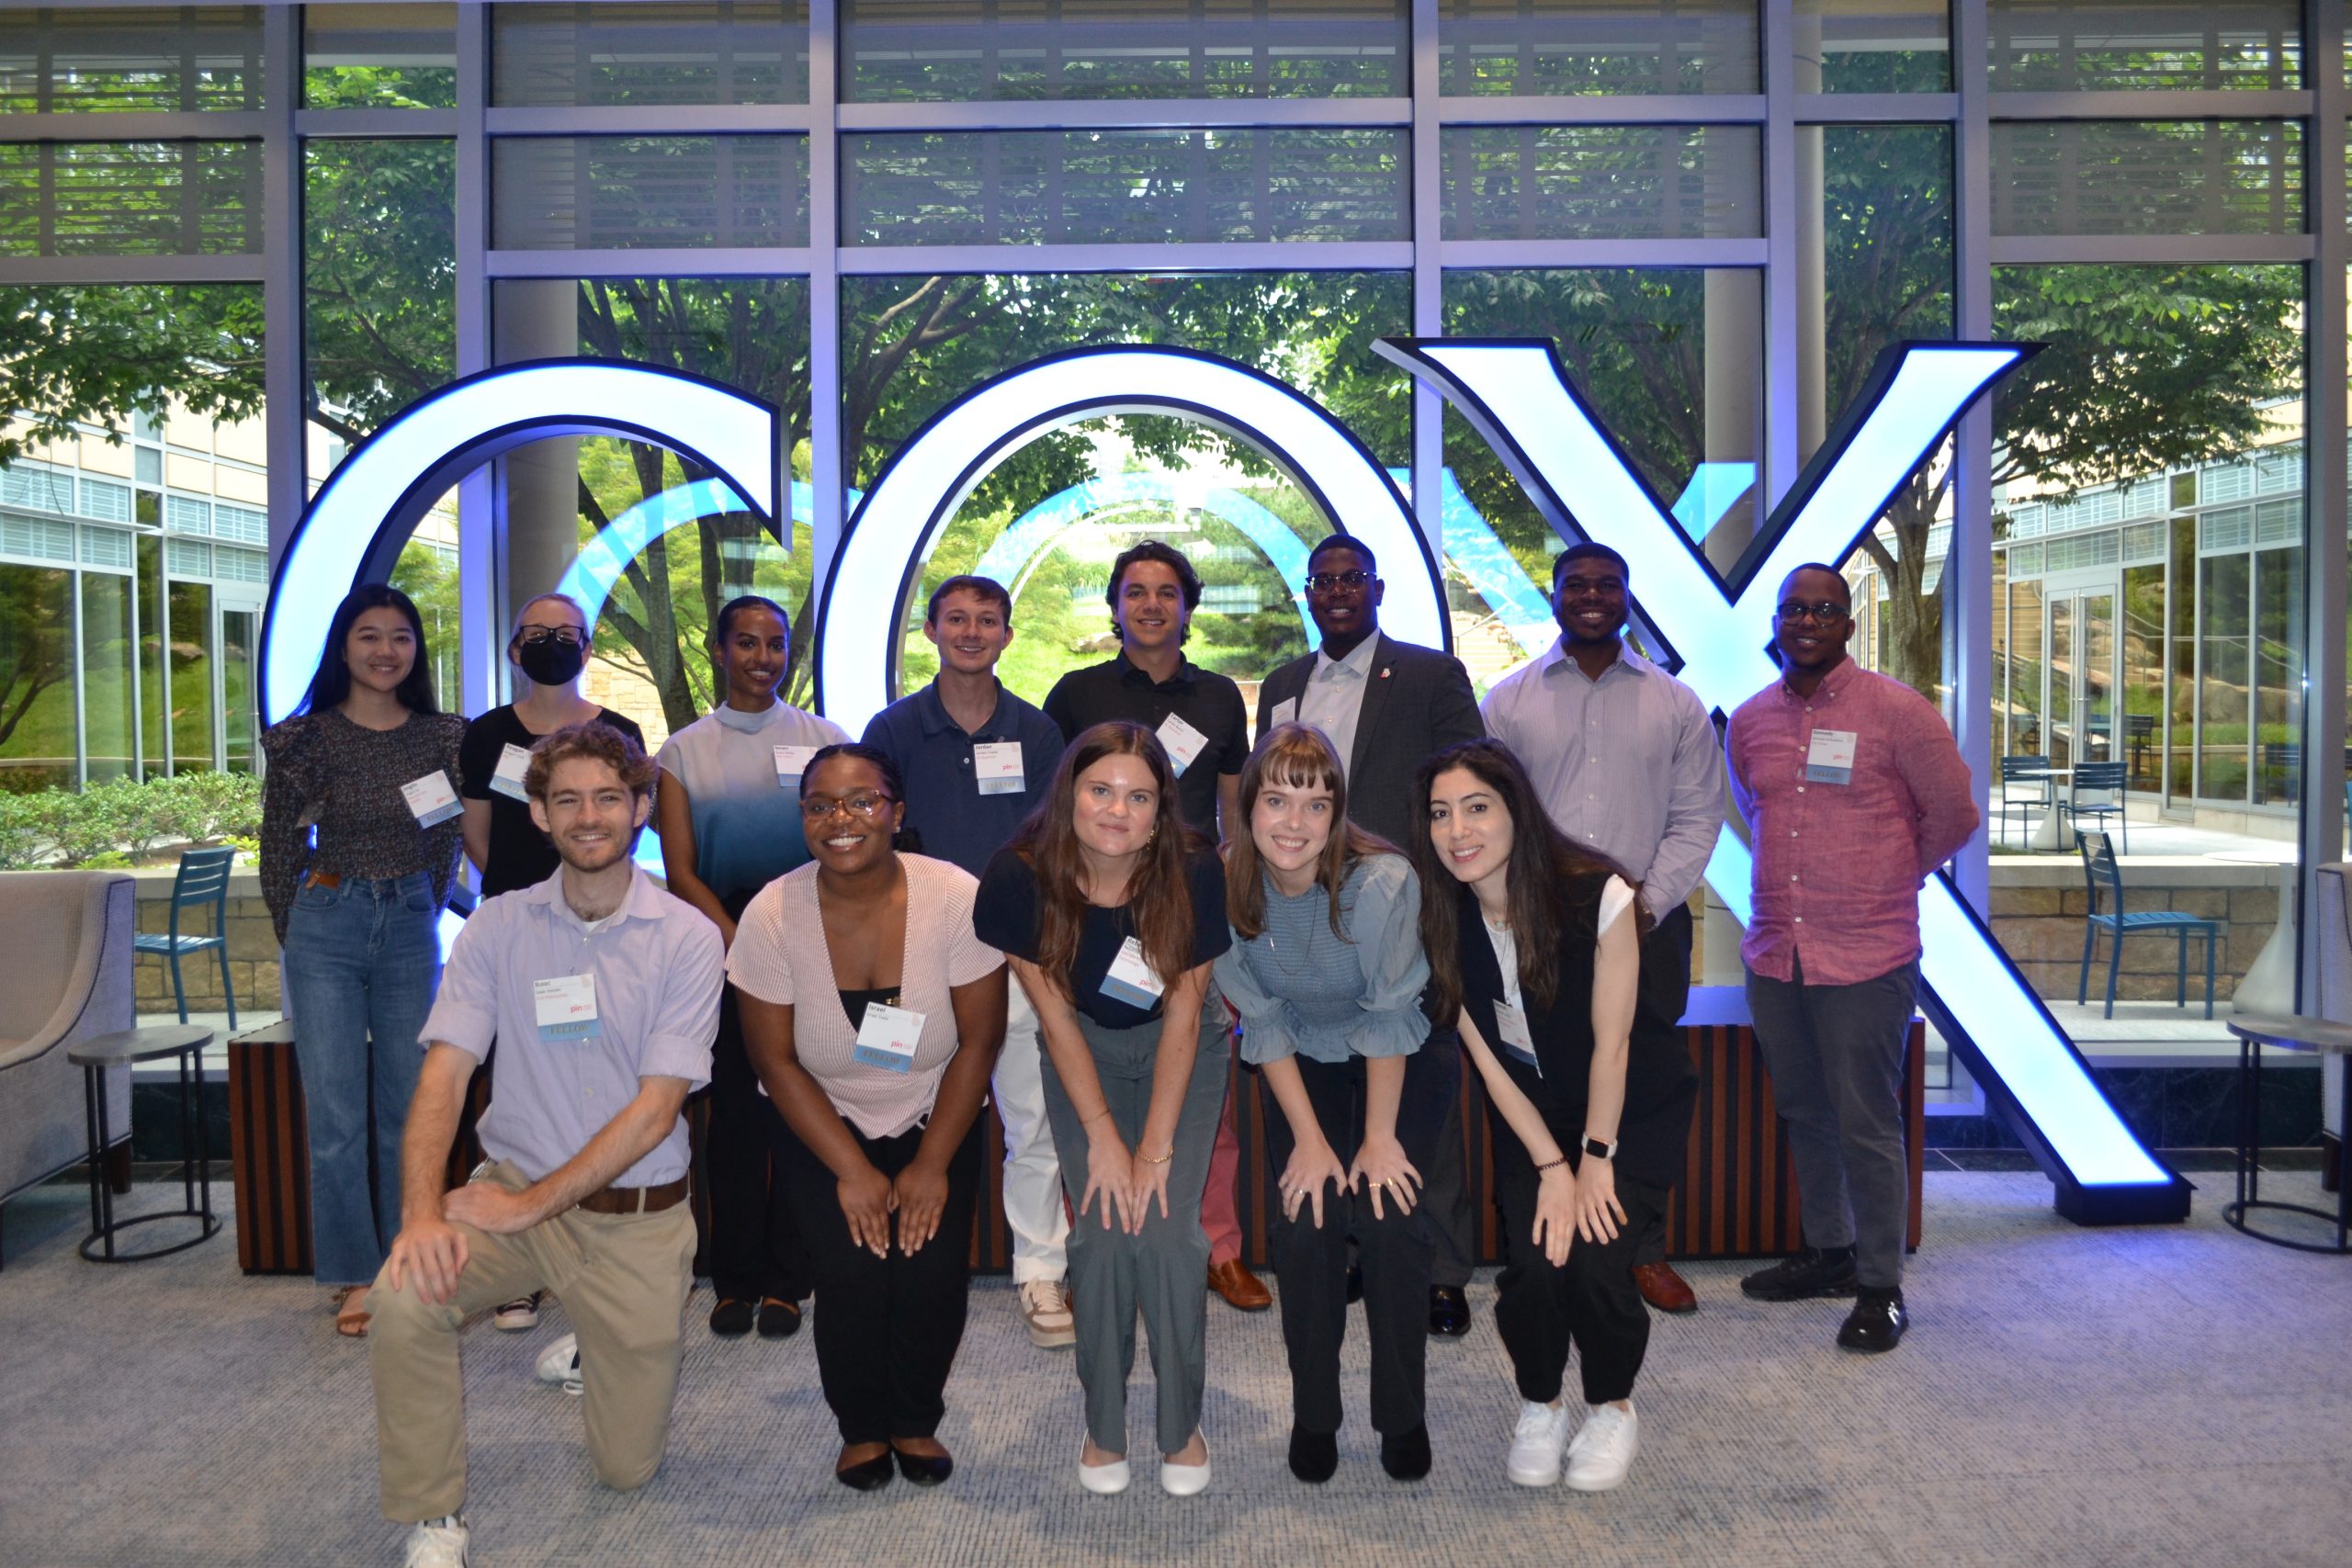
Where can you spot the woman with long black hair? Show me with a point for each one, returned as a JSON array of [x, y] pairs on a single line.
[[369, 762], [1110, 911], [1534, 944]]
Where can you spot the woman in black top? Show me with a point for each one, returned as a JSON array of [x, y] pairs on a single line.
[[1109, 912], [1538, 953], [551, 647]]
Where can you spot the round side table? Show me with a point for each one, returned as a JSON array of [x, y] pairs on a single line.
[[2254, 1032], [94, 1057]]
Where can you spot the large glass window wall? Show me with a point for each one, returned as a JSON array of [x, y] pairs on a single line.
[[1721, 212]]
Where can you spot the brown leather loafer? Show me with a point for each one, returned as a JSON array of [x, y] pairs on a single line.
[[1664, 1289], [1241, 1289]]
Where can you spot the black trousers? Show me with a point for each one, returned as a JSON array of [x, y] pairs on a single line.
[[1449, 1214], [1589, 1303], [1666, 985], [754, 1247], [887, 1328], [1395, 1249]]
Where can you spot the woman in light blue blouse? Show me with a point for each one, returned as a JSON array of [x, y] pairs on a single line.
[[1326, 972]]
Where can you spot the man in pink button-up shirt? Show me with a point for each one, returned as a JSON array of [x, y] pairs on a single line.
[[1853, 793]]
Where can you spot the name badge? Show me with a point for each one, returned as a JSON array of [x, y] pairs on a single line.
[[1512, 1022], [1182, 742], [1830, 759], [431, 800], [508, 780], [1131, 979], [791, 761], [1285, 711], [997, 769], [565, 1007], [888, 1038]]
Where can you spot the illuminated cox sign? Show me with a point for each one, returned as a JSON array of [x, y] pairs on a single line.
[[1712, 626]]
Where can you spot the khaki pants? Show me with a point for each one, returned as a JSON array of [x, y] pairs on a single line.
[[623, 1281]]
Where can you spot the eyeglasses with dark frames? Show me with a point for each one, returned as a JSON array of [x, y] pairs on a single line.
[[1824, 612], [1324, 581]]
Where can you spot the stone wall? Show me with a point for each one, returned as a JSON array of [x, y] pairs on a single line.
[[2039, 906], [252, 946]]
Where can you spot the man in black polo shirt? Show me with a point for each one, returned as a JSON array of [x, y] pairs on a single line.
[[975, 759], [1200, 719]]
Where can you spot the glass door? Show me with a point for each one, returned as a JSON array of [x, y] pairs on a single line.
[[2081, 675]]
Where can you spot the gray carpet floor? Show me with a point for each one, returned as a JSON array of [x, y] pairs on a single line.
[[2066, 1396]]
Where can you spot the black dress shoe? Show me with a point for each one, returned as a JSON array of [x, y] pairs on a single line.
[[1803, 1275], [1449, 1312], [733, 1317], [1406, 1455], [1877, 1322], [779, 1320], [924, 1470], [1355, 1283], [870, 1475], [1314, 1456]]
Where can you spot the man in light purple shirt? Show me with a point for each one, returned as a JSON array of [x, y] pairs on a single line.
[[602, 992], [1625, 758], [1854, 793]]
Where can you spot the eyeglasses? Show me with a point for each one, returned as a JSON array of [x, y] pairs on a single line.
[[539, 637], [818, 808], [1825, 611], [1324, 581]]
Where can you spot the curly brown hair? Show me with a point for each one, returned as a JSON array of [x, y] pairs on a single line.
[[595, 740], [1158, 897]]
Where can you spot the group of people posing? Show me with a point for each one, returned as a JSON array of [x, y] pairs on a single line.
[[1076, 912]]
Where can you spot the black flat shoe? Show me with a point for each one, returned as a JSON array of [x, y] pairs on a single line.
[[1406, 1455], [1355, 1283], [1449, 1312], [871, 1475], [779, 1320], [1314, 1456], [924, 1470], [1877, 1322], [733, 1317]]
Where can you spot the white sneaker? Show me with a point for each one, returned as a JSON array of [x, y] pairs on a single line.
[[1604, 1449], [1045, 1306], [1102, 1480], [1185, 1480], [518, 1314], [559, 1364], [1536, 1445], [437, 1543]]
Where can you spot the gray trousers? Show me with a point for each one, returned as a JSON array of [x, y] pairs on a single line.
[[1163, 1270], [1836, 1057]]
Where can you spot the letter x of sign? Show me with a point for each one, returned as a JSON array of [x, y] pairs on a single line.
[[1715, 632]]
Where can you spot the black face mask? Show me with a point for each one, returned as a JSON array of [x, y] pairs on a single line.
[[551, 663]]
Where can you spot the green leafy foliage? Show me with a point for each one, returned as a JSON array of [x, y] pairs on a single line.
[[124, 822]]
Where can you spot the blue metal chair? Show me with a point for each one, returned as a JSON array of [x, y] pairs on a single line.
[[203, 879], [2103, 782], [2098, 866], [2021, 794]]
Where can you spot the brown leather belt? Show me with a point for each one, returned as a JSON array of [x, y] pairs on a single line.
[[324, 879], [635, 1199]]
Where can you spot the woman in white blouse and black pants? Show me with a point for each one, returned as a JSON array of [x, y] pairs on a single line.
[[1537, 950], [873, 1017]]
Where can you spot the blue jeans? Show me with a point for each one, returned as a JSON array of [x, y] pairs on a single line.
[[362, 962]]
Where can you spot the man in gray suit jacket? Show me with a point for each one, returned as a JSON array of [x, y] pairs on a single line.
[[1385, 704]]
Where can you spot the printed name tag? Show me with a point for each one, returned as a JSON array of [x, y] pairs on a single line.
[[996, 767], [1131, 979], [1830, 760], [888, 1038], [431, 800], [1285, 711], [566, 1007], [791, 761], [1512, 1024], [508, 780], [1182, 742]]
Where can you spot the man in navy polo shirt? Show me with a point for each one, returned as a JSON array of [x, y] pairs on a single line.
[[975, 759]]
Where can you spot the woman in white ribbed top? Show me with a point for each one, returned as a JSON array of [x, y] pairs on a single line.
[[873, 1017]]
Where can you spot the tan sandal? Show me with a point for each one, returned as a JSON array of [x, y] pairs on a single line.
[[351, 1321]]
